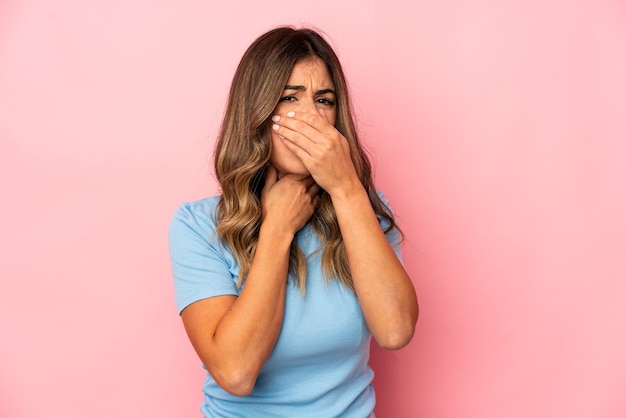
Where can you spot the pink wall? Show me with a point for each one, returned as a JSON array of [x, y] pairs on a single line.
[[499, 133]]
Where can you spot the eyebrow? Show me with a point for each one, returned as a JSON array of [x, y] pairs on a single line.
[[302, 88]]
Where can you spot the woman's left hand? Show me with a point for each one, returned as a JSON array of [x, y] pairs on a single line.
[[323, 150], [383, 288]]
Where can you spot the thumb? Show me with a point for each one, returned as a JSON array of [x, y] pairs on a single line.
[[323, 114]]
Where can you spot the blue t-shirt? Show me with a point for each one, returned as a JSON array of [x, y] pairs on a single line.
[[319, 366]]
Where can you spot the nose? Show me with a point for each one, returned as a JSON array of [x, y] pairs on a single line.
[[310, 106]]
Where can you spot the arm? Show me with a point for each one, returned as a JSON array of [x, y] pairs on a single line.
[[383, 287], [234, 336]]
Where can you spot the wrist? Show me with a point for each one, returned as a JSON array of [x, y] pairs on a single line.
[[347, 192], [277, 232]]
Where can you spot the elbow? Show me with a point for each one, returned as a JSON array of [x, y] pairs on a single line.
[[236, 382], [400, 335], [395, 340], [240, 389]]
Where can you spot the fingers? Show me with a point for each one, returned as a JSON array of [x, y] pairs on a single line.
[[271, 178], [308, 181], [311, 187], [289, 201], [299, 137], [326, 156], [303, 125], [313, 190]]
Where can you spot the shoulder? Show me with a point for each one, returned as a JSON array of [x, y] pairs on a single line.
[[201, 208], [201, 267], [193, 222], [199, 214]]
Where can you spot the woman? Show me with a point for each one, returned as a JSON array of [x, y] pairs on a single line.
[[281, 280]]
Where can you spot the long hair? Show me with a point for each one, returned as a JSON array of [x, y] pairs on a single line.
[[244, 145]]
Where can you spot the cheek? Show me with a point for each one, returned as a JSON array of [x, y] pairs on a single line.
[[332, 118], [278, 150], [275, 144], [278, 107], [329, 114]]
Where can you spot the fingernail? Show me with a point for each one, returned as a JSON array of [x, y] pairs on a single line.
[[281, 137], [275, 127], [275, 118], [291, 114]]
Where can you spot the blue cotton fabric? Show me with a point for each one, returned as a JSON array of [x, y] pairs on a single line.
[[319, 366]]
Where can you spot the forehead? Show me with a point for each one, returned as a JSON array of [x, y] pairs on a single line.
[[310, 71]]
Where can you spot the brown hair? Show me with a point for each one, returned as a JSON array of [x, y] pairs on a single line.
[[244, 147]]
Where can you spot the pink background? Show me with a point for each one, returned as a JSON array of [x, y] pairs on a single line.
[[498, 131]]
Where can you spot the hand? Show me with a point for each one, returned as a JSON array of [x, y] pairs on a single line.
[[323, 150], [288, 202]]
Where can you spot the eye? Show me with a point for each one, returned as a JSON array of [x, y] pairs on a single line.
[[325, 101], [287, 99]]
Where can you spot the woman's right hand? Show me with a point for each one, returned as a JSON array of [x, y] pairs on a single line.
[[233, 347], [288, 202]]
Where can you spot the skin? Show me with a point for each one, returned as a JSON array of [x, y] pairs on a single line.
[[234, 336], [308, 90]]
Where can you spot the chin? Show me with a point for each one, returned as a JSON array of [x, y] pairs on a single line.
[[295, 170], [286, 162], [290, 166]]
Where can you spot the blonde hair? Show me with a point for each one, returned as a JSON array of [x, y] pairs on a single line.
[[243, 150]]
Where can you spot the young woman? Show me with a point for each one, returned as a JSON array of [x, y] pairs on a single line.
[[282, 279]]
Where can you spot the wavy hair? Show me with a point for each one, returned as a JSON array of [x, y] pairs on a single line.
[[244, 146]]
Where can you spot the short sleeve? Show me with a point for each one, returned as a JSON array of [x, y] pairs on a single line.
[[393, 236], [201, 267]]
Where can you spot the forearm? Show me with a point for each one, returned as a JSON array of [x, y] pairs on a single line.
[[244, 329], [383, 287], [246, 335]]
